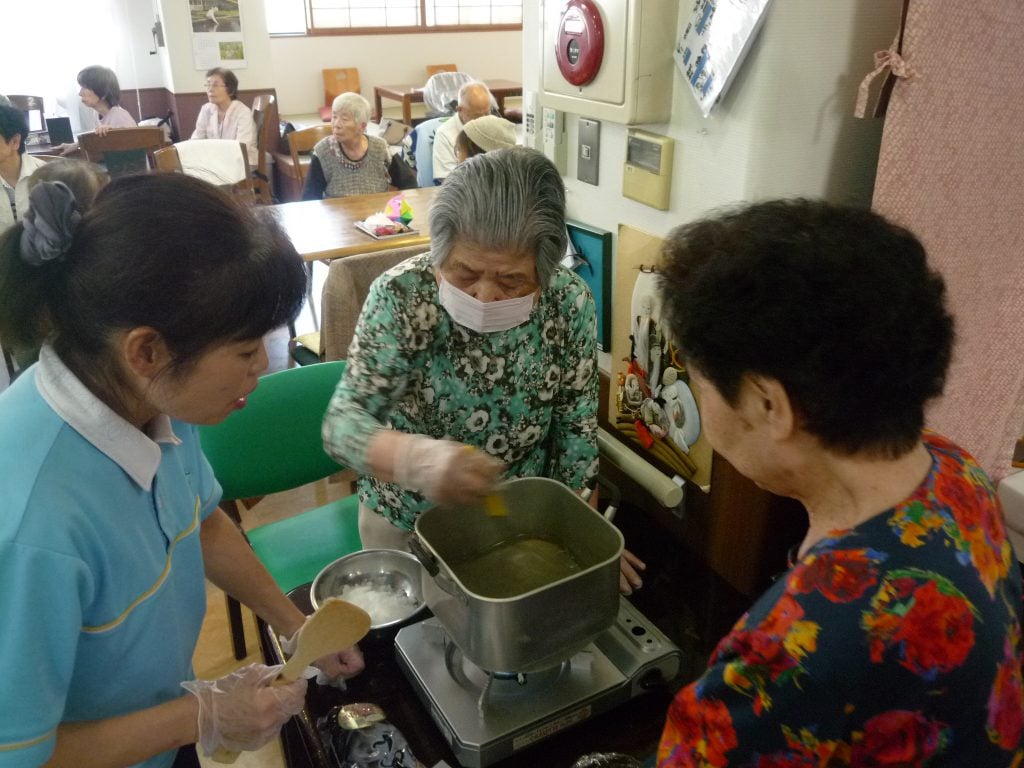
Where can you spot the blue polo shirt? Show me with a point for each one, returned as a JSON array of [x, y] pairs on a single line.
[[102, 589]]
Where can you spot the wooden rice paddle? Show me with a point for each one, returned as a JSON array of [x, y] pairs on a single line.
[[335, 626]]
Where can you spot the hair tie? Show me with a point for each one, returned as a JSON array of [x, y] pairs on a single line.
[[50, 223]]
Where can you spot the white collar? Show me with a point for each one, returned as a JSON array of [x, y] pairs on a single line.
[[136, 452]]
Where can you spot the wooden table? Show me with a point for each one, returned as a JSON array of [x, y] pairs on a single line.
[[410, 94], [325, 229]]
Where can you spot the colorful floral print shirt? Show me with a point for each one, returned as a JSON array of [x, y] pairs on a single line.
[[527, 396], [896, 643]]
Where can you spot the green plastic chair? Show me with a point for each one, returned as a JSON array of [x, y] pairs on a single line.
[[273, 445]]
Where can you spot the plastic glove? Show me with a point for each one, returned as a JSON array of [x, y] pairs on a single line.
[[445, 471], [333, 669], [242, 711]]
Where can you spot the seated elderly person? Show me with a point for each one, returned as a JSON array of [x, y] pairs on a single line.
[[475, 360], [474, 101], [485, 134], [224, 116], [348, 162], [815, 335]]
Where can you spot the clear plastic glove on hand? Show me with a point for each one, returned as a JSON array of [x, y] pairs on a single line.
[[333, 669], [445, 471], [242, 711], [629, 572]]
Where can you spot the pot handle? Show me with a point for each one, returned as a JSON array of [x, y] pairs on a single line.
[[429, 563], [426, 559]]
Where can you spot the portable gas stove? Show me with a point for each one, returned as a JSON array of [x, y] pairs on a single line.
[[487, 716]]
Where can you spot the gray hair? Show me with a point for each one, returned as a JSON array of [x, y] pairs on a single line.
[[354, 104], [509, 200]]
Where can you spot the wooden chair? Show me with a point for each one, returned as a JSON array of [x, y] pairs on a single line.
[[268, 134], [345, 290], [167, 160], [302, 141], [338, 81], [28, 105], [123, 150], [433, 69], [231, 173]]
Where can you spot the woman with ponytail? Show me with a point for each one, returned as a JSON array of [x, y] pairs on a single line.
[[150, 310]]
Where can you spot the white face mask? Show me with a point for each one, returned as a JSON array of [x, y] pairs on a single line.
[[483, 316]]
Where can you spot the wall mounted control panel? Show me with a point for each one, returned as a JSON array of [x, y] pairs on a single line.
[[647, 175], [553, 137]]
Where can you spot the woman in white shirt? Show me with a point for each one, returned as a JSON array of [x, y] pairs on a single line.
[[225, 117]]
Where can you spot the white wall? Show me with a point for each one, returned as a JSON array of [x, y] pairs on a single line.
[[180, 72], [385, 60], [784, 128]]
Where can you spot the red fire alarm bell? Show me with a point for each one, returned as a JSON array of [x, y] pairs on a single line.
[[579, 41]]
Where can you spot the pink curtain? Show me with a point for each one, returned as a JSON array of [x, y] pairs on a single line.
[[951, 169]]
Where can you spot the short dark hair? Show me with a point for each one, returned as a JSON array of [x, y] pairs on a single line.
[[13, 122], [166, 251], [230, 80], [103, 82], [836, 303]]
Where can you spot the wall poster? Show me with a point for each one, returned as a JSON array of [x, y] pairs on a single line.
[[217, 34], [711, 48], [652, 405]]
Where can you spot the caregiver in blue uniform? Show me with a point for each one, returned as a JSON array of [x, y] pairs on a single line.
[[151, 309]]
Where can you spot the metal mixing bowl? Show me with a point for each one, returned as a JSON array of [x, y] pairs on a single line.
[[384, 570]]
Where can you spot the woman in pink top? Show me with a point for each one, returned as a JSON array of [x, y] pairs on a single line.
[[100, 91], [224, 116]]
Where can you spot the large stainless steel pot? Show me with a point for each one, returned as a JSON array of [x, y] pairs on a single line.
[[539, 627]]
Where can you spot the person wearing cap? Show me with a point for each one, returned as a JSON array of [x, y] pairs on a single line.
[[484, 134], [474, 102]]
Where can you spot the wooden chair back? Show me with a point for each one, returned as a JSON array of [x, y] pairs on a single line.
[[123, 150], [169, 159], [433, 69], [338, 81], [268, 135], [302, 141], [345, 290], [29, 104]]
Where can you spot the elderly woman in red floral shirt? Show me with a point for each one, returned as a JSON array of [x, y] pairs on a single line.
[[815, 335]]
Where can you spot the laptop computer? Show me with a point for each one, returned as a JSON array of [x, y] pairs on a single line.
[[59, 130]]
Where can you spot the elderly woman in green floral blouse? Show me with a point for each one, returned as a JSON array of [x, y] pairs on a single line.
[[475, 361]]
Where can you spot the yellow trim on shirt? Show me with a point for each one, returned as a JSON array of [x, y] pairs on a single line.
[[156, 585], [29, 743]]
